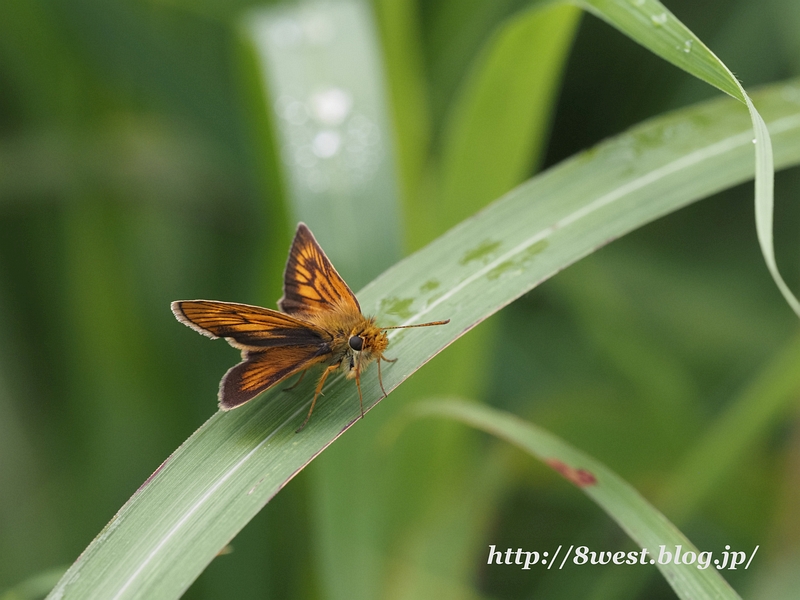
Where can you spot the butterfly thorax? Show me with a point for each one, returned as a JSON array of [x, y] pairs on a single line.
[[344, 325]]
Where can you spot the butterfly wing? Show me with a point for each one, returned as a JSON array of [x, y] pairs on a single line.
[[274, 345], [246, 327], [310, 283], [261, 370]]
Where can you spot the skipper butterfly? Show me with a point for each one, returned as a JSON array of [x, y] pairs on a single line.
[[319, 322]]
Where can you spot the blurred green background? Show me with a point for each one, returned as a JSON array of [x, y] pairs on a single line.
[[137, 167]]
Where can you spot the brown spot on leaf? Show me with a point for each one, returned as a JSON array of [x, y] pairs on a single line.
[[580, 477]]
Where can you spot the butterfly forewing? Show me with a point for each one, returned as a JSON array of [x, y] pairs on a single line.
[[261, 370], [310, 283], [249, 327], [321, 322]]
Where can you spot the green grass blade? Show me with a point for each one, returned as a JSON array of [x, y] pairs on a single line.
[[404, 61], [494, 136], [324, 79], [759, 406], [641, 521], [237, 461], [498, 126], [652, 25]]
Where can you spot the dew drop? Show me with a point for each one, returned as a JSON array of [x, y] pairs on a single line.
[[687, 46], [326, 143], [659, 20], [331, 106]]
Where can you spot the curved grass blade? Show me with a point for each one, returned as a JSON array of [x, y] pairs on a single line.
[[656, 28], [237, 461], [641, 521], [498, 125]]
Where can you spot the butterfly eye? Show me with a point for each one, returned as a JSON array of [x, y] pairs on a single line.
[[356, 342]]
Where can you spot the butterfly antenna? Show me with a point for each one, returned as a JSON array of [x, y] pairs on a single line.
[[418, 325]]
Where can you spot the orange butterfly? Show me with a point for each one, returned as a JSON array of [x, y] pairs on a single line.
[[321, 322]]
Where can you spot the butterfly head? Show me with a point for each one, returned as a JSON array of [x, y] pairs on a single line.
[[369, 341]]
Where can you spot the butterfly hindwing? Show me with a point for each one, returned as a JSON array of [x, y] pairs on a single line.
[[261, 370], [310, 283], [321, 322], [249, 327]]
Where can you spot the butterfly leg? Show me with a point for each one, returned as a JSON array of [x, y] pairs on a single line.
[[296, 383], [358, 385], [380, 379], [317, 392]]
